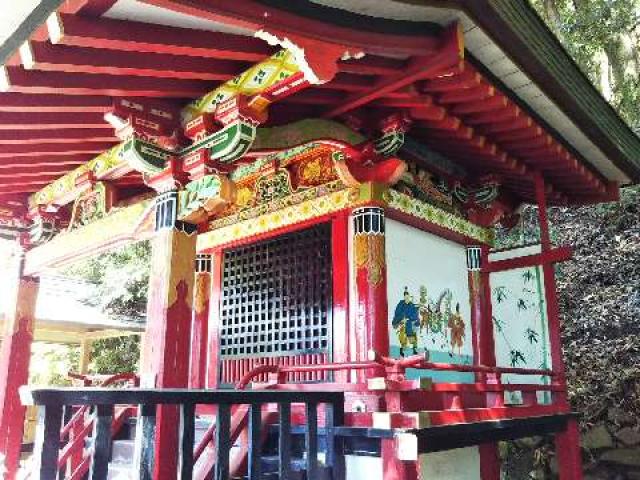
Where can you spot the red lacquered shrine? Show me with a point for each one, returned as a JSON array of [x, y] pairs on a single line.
[[323, 183]]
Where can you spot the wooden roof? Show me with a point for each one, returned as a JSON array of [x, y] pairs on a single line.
[[67, 62]]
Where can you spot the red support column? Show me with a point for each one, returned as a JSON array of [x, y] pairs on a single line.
[[14, 364], [483, 344], [371, 314], [200, 322], [567, 442], [168, 334], [214, 319], [340, 256]]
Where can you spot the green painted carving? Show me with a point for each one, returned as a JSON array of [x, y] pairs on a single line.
[[227, 145], [145, 157], [272, 187], [389, 143], [204, 197]]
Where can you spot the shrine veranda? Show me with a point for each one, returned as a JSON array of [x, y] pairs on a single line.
[[325, 186]]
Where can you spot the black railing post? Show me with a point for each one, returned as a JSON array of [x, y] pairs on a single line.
[[223, 442], [187, 433], [48, 442], [334, 417], [312, 440], [146, 438], [66, 417], [255, 440], [101, 442], [284, 440]]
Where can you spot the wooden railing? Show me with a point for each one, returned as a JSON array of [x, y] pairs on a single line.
[[79, 424], [53, 401]]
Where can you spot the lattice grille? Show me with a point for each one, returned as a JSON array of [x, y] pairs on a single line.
[[276, 296]]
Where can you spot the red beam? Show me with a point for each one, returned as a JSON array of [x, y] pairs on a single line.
[[506, 126], [509, 112], [60, 58], [17, 174], [464, 79], [56, 136], [451, 52], [19, 102], [18, 80], [126, 36], [47, 149], [492, 103], [44, 162], [467, 95], [254, 16], [48, 121], [91, 8], [554, 255], [372, 65]]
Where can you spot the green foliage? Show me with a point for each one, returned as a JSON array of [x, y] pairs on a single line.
[[51, 363], [115, 355], [601, 35], [122, 278]]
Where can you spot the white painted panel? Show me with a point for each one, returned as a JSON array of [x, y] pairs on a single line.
[[363, 468], [520, 320], [434, 273], [458, 464]]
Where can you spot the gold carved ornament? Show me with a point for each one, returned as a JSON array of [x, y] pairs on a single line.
[[369, 254]]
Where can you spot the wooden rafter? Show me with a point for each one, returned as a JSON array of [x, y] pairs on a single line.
[[449, 54]]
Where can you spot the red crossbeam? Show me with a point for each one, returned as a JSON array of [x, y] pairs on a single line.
[[421, 68], [554, 255]]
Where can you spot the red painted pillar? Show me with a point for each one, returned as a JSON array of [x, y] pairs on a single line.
[[340, 258], [166, 351], [214, 319], [14, 363], [199, 327], [568, 442], [371, 330], [483, 344]]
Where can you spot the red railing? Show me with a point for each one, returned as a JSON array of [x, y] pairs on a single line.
[[74, 460], [487, 391]]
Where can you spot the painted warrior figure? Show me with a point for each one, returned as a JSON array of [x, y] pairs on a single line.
[[406, 322], [456, 325]]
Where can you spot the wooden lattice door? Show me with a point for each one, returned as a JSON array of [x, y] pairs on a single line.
[[276, 304]]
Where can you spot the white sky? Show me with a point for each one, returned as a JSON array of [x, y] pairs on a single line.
[[12, 13]]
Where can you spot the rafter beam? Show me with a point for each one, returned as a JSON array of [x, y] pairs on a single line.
[[22, 137], [63, 160], [19, 80], [258, 16], [48, 149], [49, 121], [127, 35], [20, 102], [449, 55], [59, 58]]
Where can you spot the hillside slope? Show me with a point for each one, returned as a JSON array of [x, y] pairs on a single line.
[[599, 293]]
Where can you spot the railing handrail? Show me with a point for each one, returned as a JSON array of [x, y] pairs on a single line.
[[377, 361], [152, 396]]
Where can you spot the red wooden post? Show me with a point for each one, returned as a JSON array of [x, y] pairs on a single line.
[[484, 351], [14, 363], [168, 333], [371, 331], [214, 319], [199, 328], [340, 255], [568, 442]]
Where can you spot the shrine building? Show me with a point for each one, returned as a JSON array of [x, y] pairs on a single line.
[[334, 193]]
